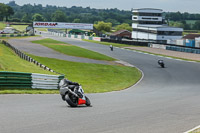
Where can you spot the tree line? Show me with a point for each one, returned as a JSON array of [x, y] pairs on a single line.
[[29, 13], [5, 12], [187, 21], [74, 14]]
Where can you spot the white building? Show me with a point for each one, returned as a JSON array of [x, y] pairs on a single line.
[[148, 24], [197, 42]]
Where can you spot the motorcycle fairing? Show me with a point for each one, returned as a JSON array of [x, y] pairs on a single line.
[[81, 101]]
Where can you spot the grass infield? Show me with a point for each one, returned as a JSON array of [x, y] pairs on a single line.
[[72, 50], [9, 61], [94, 78]]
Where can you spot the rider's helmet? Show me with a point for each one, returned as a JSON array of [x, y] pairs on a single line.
[[160, 61]]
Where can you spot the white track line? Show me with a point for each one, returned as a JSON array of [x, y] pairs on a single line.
[[196, 128], [157, 55]]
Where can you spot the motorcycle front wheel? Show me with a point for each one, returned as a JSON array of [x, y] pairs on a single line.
[[88, 103], [71, 100]]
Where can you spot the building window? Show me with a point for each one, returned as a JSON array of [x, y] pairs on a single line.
[[148, 22], [145, 30], [165, 33], [146, 18], [170, 33], [154, 18], [147, 14]]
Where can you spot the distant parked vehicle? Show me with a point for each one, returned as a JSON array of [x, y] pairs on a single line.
[[2, 32]]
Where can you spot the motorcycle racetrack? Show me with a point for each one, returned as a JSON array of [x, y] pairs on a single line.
[[166, 100]]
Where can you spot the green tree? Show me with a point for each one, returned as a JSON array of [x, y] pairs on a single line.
[[38, 17], [177, 24], [2, 11], [196, 26], [76, 20], [113, 21], [26, 18], [59, 16], [103, 27], [123, 26], [15, 20], [9, 12], [5, 11]]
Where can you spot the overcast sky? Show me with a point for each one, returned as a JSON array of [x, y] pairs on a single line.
[[191, 6]]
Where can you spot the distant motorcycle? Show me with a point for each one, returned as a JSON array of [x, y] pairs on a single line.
[[72, 93], [161, 63], [111, 47]]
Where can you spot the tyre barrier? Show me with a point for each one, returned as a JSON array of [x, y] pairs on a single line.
[[183, 49], [29, 80]]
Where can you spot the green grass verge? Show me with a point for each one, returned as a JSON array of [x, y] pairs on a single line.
[[9, 61], [195, 131], [113, 44], [41, 29], [124, 45], [72, 50], [94, 77], [28, 91], [2, 25], [21, 28], [191, 21]]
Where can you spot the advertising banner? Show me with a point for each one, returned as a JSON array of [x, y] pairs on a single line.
[[63, 25]]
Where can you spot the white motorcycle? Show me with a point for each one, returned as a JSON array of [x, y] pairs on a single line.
[[161, 63], [73, 93]]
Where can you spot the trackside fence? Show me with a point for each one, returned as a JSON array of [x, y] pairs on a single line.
[[29, 80], [62, 34], [28, 58], [15, 35], [176, 48]]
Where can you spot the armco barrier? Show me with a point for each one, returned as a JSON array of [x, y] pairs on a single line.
[[14, 35], [28, 58], [29, 80], [62, 34]]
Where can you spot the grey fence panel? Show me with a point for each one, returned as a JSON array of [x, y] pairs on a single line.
[[28, 80]]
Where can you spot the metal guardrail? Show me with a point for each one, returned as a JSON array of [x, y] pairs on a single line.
[[14, 35], [28, 58], [29, 80], [130, 42]]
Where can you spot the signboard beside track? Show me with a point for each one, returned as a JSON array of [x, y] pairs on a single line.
[[63, 25]]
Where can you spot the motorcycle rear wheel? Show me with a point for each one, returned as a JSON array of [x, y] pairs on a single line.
[[71, 100]]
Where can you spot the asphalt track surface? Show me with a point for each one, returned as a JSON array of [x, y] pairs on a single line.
[[165, 101]]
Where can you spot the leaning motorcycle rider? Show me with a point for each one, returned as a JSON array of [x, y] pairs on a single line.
[[68, 82]]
